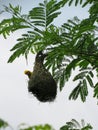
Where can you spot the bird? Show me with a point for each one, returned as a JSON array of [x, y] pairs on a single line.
[[28, 73], [41, 83]]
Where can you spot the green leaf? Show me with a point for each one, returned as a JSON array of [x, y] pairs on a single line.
[[85, 88], [66, 127], [90, 81], [82, 94], [76, 2], [70, 2], [3, 124], [71, 66], [75, 125], [75, 92], [83, 64], [11, 25], [51, 17], [38, 127], [81, 75], [96, 90], [91, 74], [15, 55], [45, 13], [81, 89], [62, 80]]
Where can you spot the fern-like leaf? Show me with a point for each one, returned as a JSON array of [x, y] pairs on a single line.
[[75, 125], [44, 15]]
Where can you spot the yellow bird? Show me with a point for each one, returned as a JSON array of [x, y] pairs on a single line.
[[28, 73]]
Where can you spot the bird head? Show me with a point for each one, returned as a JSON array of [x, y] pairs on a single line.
[[28, 73]]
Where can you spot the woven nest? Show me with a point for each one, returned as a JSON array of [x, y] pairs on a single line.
[[41, 83], [43, 86]]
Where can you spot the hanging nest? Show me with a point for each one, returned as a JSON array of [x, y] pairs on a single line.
[[41, 83]]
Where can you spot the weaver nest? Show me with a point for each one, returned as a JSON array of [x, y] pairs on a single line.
[[41, 83]]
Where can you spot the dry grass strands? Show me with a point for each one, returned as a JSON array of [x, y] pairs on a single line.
[[41, 83]]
